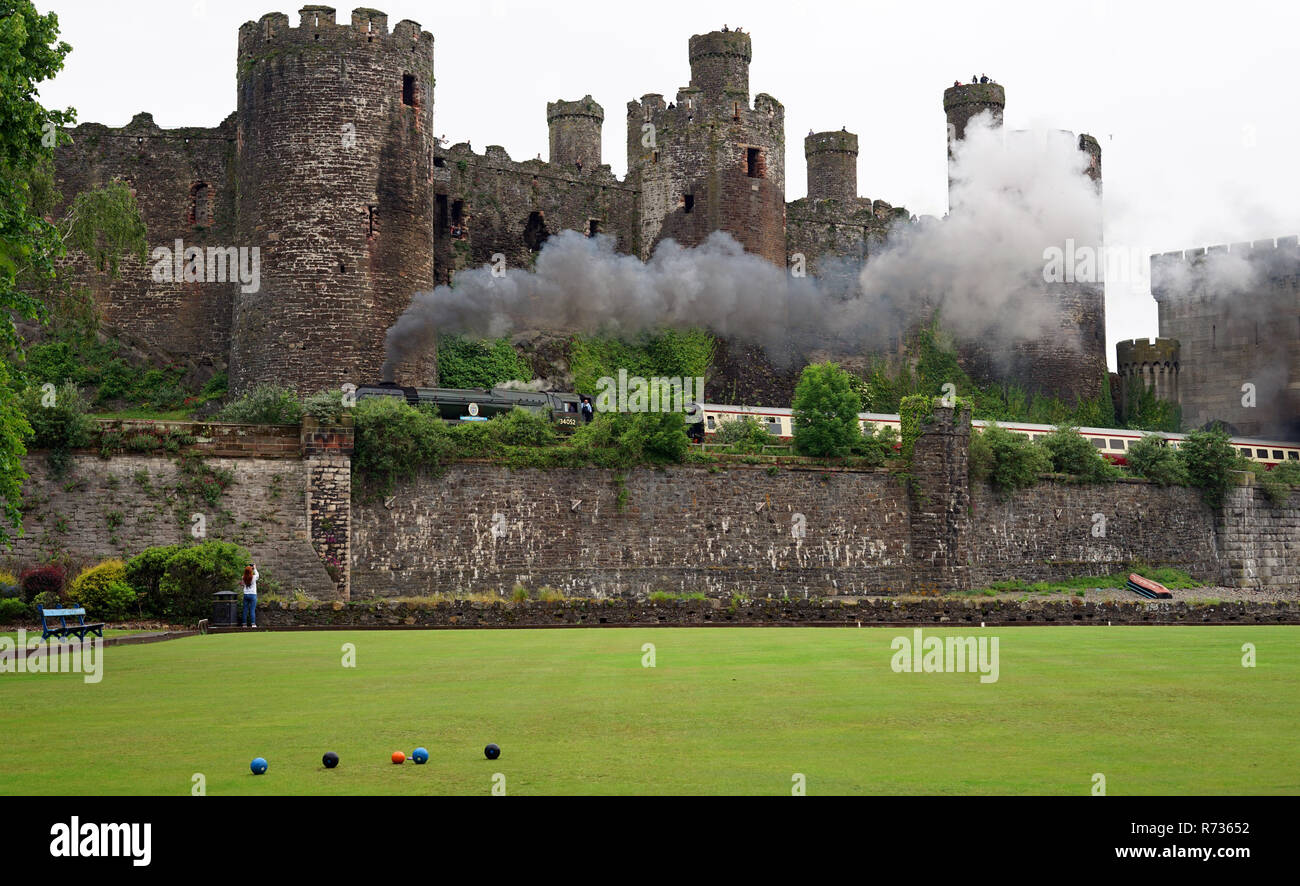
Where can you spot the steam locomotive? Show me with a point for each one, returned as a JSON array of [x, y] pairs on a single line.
[[480, 404]]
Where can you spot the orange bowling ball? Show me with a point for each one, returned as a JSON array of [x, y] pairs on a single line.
[[399, 757]]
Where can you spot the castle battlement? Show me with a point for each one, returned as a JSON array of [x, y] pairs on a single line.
[[318, 26], [1143, 351]]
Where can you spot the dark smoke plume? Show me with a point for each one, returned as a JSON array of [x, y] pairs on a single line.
[[982, 266]]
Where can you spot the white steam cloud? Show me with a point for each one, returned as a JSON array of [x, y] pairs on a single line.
[[1013, 196]]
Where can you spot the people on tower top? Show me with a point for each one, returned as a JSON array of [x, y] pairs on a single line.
[[984, 78]]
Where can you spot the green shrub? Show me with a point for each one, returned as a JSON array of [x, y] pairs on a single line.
[[522, 427], [825, 408], [103, 591], [745, 435], [1210, 458], [14, 612], [466, 363], [1277, 483], [144, 574], [264, 405], [395, 440], [1008, 460], [875, 447], [1152, 459], [59, 423], [46, 600], [624, 439], [192, 575], [1073, 454], [325, 406]]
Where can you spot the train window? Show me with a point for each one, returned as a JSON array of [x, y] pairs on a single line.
[[1261, 453], [711, 423], [1098, 442], [1116, 444], [1245, 452], [1293, 455], [1277, 454]]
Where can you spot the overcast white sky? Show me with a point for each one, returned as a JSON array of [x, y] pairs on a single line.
[[1194, 103]]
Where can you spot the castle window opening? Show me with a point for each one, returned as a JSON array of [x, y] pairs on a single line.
[[593, 227], [441, 201], [654, 156], [754, 166], [372, 213], [439, 162], [457, 212], [535, 233], [689, 204], [408, 89], [343, 268], [200, 205]]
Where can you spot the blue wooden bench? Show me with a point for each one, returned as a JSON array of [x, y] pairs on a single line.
[[63, 629]]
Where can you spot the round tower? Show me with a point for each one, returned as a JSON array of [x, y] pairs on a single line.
[[1092, 147], [832, 165], [334, 155], [575, 132], [720, 65], [1153, 362], [960, 103]]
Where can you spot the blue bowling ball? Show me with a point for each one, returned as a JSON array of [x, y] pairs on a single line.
[[258, 765]]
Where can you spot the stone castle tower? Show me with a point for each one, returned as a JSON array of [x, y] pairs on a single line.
[[334, 165], [1069, 359], [1234, 312], [711, 161]]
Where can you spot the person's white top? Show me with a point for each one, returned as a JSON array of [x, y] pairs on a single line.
[[252, 589]]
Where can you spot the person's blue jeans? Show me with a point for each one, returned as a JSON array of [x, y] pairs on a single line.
[[250, 610]]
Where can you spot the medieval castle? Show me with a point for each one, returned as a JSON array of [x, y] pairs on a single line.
[[329, 167]]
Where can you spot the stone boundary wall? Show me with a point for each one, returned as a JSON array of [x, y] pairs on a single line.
[[874, 612]]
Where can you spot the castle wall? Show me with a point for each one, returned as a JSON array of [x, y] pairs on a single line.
[[183, 180], [498, 197], [336, 186], [119, 506], [1237, 324]]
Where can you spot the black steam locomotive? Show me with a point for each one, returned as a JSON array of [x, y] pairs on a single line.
[[461, 404]]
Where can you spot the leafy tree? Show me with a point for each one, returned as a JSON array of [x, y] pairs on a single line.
[[58, 421], [192, 575], [1006, 459], [1152, 459], [745, 435], [144, 574], [825, 411], [1210, 459], [1073, 454]]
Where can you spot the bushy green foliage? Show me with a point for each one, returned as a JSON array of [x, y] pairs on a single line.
[[522, 427], [466, 363], [325, 406], [103, 591], [745, 435], [14, 611], [825, 408], [263, 405], [913, 411], [1152, 459], [877, 446], [144, 574], [1147, 412], [393, 439], [1277, 483], [59, 423], [14, 429], [1008, 460], [623, 439], [668, 354], [1073, 454], [192, 575], [1210, 459]]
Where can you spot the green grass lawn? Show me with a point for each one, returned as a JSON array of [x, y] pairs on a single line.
[[1158, 710]]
